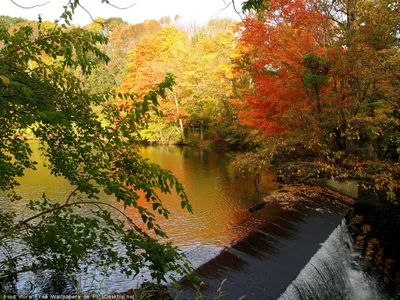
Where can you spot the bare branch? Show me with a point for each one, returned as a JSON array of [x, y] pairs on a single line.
[[232, 2], [29, 7], [96, 203], [234, 7], [101, 23], [117, 7], [226, 6], [90, 15], [72, 194]]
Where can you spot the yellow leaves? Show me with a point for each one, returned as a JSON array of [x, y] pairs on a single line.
[[5, 79], [297, 173]]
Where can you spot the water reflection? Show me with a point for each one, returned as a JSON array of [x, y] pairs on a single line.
[[278, 245], [220, 201]]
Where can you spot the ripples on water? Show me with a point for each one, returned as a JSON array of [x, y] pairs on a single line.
[[262, 266], [219, 200]]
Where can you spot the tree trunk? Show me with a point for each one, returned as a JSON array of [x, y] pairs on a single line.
[[201, 132], [340, 136], [181, 129], [318, 100], [351, 13], [179, 119]]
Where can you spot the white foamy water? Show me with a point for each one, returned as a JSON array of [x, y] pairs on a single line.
[[335, 272]]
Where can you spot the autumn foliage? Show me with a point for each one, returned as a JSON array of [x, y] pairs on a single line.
[[322, 77], [310, 79], [301, 59], [278, 44], [200, 62]]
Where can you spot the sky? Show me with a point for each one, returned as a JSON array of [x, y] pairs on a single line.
[[198, 11]]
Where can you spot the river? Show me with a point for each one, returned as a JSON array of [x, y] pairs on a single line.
[[219, 199], [260, 254], [220, 202]]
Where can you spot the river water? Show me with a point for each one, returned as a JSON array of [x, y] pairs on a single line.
[[219, 199], [262, 255], [220, 203]]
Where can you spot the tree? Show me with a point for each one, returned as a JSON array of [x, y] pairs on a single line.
[[209, 76], [285, 49], [318, 83], [164, 51], [39, 92], [202, 65], [122, 37]]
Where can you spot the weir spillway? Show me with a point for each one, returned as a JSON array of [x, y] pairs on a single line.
[[300, 254]]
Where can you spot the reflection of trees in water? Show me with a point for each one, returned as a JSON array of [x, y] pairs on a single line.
[[219, 200]]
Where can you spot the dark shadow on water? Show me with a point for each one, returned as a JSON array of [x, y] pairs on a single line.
[[263, 264]]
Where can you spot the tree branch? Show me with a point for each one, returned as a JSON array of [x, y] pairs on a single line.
[[96, 203], [226, 6], [90, 15], [117, 7], [72, 193], [29, 7]]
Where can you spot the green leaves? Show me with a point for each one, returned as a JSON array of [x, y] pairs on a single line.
[[256, 5], [316, 72], [40, 92]]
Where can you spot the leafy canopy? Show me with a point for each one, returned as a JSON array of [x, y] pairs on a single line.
[[323, 85], [40, 92]]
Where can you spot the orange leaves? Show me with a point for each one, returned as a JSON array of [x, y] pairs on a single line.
[[201, 64], [275, 44], [152, 58]]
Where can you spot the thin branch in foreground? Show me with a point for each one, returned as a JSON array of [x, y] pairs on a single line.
[[29, 7], [90, 15], [234, 7], [222, 9], [232, 2], [72, 194], [96, 203], [117, 7], [101, 23]]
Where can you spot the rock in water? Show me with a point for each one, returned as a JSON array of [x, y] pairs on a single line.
[[257, 206]]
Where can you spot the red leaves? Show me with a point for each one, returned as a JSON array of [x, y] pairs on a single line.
[[276, 44]]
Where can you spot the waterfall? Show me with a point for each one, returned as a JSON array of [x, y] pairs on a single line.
[[335, 272]]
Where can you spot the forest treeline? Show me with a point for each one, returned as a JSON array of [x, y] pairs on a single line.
[[200, 58], [310, 87], [304, 81], [310, 80]]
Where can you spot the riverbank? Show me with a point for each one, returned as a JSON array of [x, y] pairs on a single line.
[[291, 196]]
